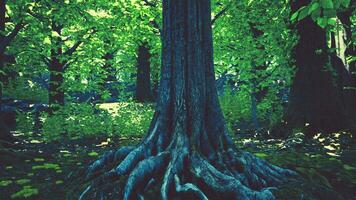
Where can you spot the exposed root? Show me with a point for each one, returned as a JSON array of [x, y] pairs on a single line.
[[224, 184], [261, 174], [143, 173], [232, 174], [108, 159], [189, 188]]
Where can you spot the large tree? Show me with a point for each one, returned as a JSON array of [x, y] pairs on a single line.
[[187, 143]]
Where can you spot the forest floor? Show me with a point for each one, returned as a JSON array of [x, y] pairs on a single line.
[[40, 170]]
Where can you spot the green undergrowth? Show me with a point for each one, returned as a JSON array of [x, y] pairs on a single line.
[[324, 174], [75, 121]]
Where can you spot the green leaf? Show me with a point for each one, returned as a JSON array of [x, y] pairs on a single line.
[[316, 14], [93, 154], [345, 3], [313, 7], [322, 22], [332, 21], [303, 13], [329, 13], [294, 16], [327, 4]]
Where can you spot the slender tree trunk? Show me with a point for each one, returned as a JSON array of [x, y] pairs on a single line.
[[345, 18], [187, 143], [143, 81], [56, 69], [2, 53], [5, 133]]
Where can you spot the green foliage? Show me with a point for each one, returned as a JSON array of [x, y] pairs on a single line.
[[23, 181], [5, 183], [47, 166], [323, 12], [236, 108], [76, 121], [26, 192], [23, 88], [25, 123]]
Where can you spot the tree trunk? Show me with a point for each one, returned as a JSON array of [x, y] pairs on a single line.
[[5, 133], [345, 18], [56, 69], [143, 84], [2, 53], [316, 101], [187, 143]]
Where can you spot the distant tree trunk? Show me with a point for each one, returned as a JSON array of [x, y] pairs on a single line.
[[5, 133], [316, 100], [143, 81], [187, 146], [56, 70], [2, 53], [345, 18], [256, 94]]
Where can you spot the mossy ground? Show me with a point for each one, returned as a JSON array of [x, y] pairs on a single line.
[[39, 170]]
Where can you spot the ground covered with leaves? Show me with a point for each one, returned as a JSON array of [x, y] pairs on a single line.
[[49, 170]]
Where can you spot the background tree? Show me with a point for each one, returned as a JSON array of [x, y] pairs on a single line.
[[317, 98]]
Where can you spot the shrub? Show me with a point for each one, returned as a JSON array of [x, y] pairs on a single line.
[[80, 120]]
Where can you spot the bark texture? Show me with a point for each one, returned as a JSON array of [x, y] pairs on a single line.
[[56, 69], [187, 149]]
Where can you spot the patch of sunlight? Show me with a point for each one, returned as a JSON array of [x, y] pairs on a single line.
[[261, 155], [18, 133], [23, 181], [332, 154], [93, 154], [9, 167], [47, 166], [39, 159], [329, 147], [348, 167], [64, 151], [245, 141], [59, 182], [35, 142], [25, 192], [99, 13], [112, 108], [104, 143], [5, 183]]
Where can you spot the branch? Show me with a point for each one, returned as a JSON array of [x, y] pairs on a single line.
[[46, 60], [10, 37], [71, 50], [150, 3], [219, 14], [155, 25]]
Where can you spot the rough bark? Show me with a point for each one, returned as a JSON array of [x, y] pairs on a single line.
[[187, 148], [5, 133], [56, 69], [143, 81], [316, 100]]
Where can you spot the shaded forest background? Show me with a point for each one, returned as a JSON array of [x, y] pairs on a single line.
[[87, 73]]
